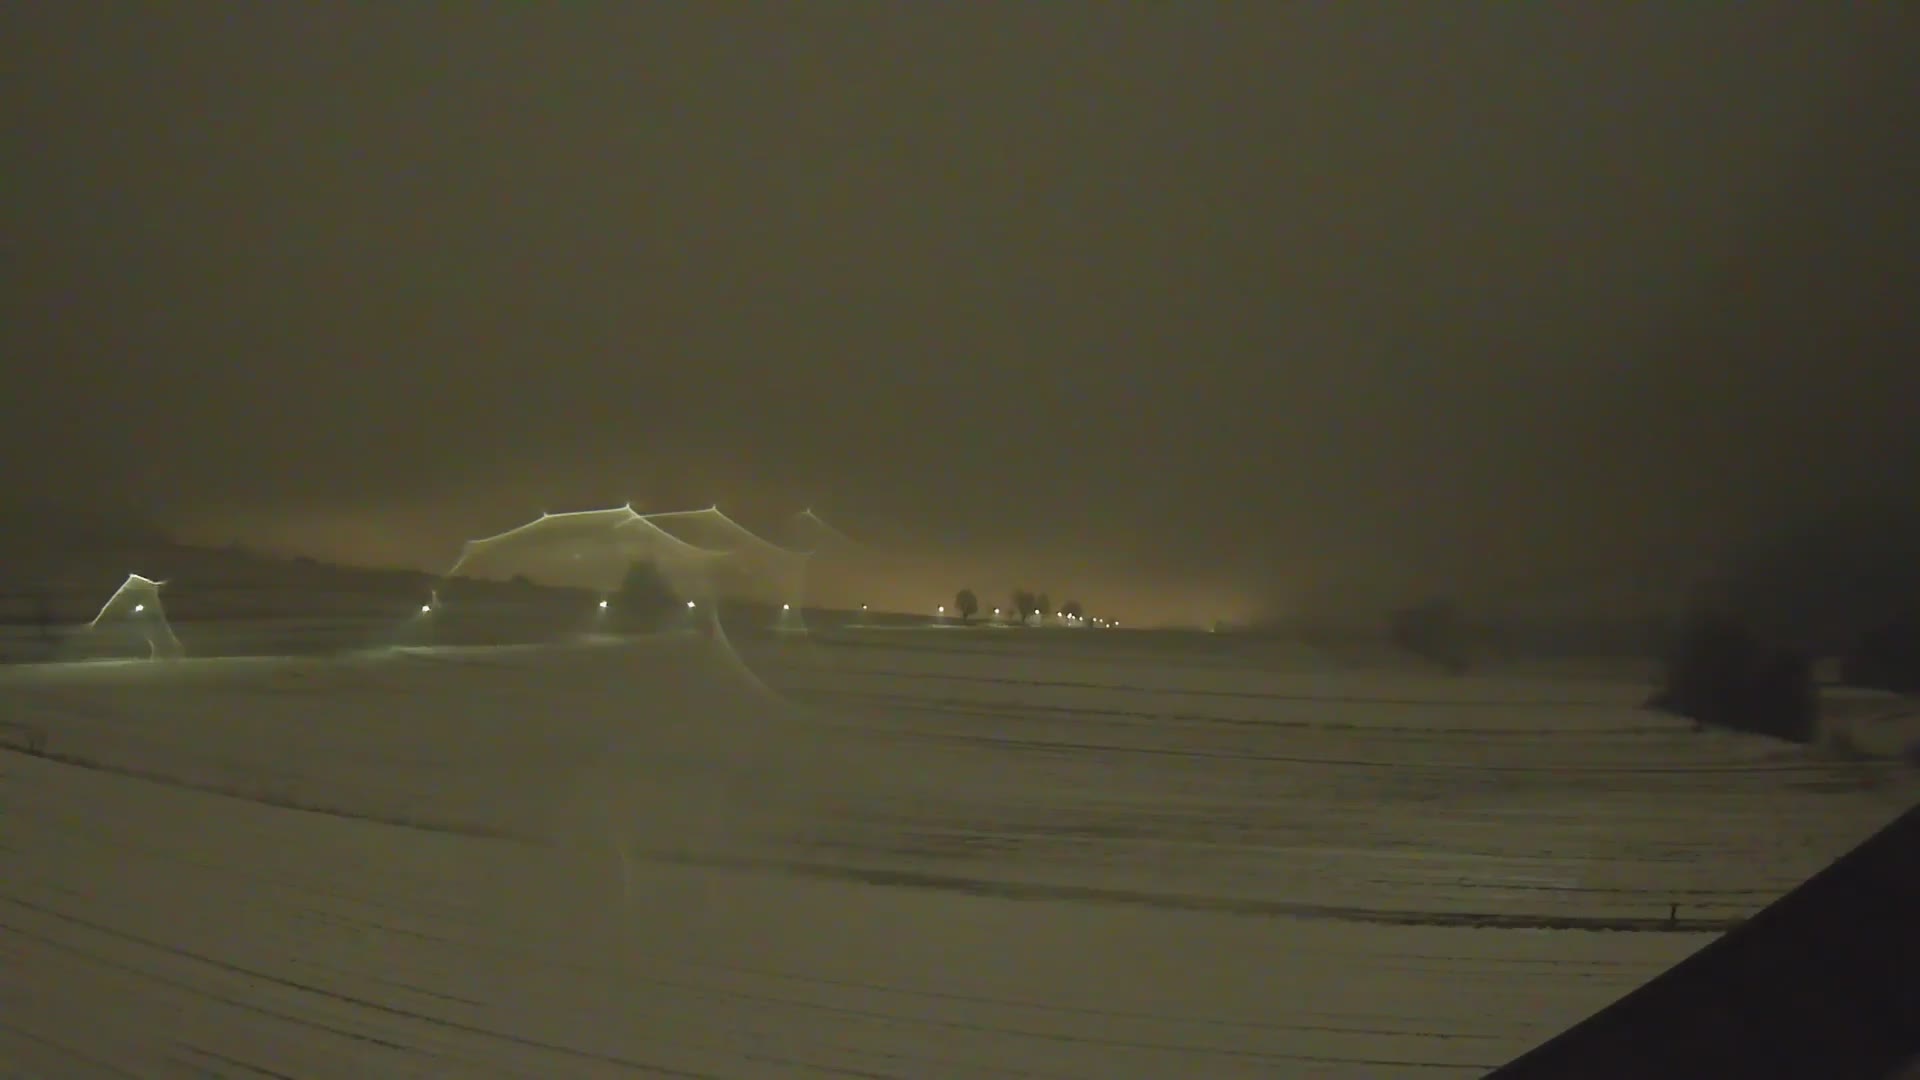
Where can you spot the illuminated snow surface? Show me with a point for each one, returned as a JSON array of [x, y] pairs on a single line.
[[903, 855]]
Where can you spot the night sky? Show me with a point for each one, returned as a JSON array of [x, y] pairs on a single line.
[[1188, 310]]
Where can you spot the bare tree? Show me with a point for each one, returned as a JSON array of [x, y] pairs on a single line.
[[644, 597], [1025, 603]]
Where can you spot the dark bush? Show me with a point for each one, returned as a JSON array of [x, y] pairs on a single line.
[[645, 598], [1722, 674], [1025, 603], [1885, 658]]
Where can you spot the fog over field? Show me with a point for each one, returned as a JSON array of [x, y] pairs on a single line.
[[904, 852], [938, 540]]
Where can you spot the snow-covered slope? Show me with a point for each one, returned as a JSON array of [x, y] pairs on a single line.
[[880, 855]]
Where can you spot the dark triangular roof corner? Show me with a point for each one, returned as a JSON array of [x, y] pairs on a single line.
[[1823, 983]]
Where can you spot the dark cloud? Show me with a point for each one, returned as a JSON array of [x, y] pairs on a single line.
[[1242, 297]]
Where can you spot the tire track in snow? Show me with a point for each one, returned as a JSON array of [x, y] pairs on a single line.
[[1127, 1015], [974, 707], [1026, 1032], [65, 1051], [154, 776], [1195, 902], [1081, 747], [1557, 704], [322, 993], [248, 1067]]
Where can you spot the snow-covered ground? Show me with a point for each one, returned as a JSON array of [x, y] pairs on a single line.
[[865, 854]]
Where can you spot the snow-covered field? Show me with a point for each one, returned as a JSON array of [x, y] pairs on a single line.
[[864, 854]]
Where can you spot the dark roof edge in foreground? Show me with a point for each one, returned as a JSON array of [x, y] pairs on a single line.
[[1824, 982]]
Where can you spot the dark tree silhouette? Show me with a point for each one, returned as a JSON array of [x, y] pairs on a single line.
[[644, 597], [1886, 658], [1043, 605], [1025, 603], [967, 604], [1722, 674]]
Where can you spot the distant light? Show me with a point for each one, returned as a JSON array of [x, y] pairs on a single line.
[[689, 603], [996, 611], [943, 609], [424, 608], [786, 607], [138, 608], [603, 605]]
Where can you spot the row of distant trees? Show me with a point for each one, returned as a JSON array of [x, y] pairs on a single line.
[[1720, 669], [646, 595], [1025, 602], [1723, 671]]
